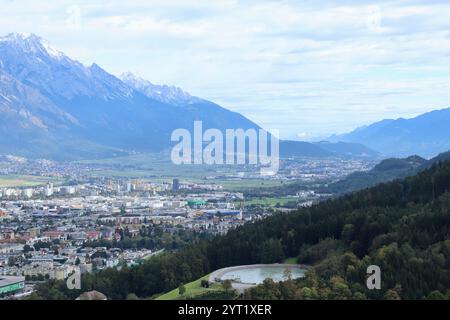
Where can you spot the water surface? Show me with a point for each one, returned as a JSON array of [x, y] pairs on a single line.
[[256, 275]]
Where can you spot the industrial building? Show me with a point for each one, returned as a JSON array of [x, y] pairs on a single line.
[[10, 285]]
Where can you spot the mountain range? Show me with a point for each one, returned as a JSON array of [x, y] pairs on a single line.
[[52, 106], [426, 135], [385, 171]]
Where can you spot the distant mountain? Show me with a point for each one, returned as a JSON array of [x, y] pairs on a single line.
[[302, 149], [349, 149], [31, 124], [386, 170], [290, 148], [425, 135], [52, 106], [445, 156], [162, 93]]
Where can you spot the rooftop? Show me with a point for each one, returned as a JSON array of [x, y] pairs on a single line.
[[8, 280]]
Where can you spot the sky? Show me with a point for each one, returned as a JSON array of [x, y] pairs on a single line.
[[307, 68]]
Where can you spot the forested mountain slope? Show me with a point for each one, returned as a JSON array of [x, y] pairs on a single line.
[[387, 170]]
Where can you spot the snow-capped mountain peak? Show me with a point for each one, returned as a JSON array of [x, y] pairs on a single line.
[[33, 61], [31, 43], [163, 93]]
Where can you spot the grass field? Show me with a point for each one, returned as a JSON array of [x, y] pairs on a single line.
[[290, 261], [193, 288], [25, 181], [149, 166], [246, 184], [159, 168], [270, 201]]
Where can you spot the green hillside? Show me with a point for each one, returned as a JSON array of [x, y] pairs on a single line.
[[193, 289]]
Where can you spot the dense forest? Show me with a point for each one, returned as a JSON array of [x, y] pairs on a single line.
[[402, 226], [151, 237]]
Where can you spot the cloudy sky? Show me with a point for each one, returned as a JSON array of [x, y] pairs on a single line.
[[309, 68]]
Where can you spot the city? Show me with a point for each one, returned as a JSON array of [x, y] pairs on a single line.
[[52, 230]]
